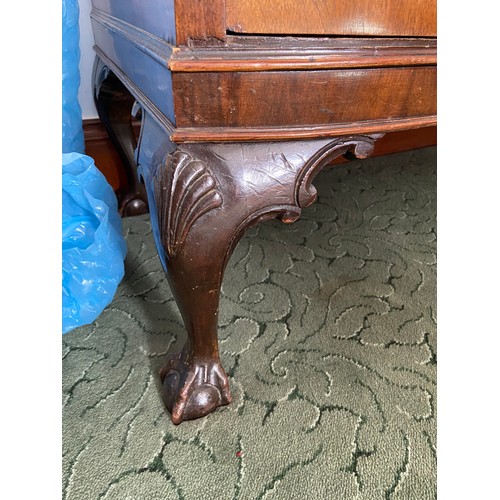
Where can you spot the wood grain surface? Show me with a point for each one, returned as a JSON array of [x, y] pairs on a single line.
[[199, 20], [300, 98], [333, 17]]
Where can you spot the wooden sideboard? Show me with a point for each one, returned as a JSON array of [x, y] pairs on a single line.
[[242, 103]]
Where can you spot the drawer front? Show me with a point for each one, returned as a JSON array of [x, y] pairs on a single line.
[[333, 17], [303, 98]]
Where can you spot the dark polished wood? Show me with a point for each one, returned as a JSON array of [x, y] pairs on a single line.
[[236, 134], [242, 104], [199, 219], [269, 99]]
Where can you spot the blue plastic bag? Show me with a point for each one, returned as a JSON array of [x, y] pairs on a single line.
[[72, 129], [93, 248]]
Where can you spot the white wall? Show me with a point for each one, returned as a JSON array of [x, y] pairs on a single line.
[[87, 56]]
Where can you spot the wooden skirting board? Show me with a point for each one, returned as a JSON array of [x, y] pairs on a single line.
[[99, 146]]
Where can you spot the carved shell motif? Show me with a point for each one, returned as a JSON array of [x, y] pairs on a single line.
[[185, 190]]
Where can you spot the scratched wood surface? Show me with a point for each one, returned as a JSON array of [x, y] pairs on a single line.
[[333, 17], [199, 20], [297, 98]]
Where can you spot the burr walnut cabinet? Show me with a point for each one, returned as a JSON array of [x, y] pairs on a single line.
[[241, 103]]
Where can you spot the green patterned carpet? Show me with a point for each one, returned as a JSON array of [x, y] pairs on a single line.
[[328, 335]]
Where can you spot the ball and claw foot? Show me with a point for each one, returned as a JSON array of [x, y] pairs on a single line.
[[193, 388]]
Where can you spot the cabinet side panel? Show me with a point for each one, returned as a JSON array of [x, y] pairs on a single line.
[[155, 16], [145, 72]]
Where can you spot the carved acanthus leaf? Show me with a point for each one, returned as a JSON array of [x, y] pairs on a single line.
[[185, 190]]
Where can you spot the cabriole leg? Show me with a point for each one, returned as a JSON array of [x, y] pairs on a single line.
[[202, 198]]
